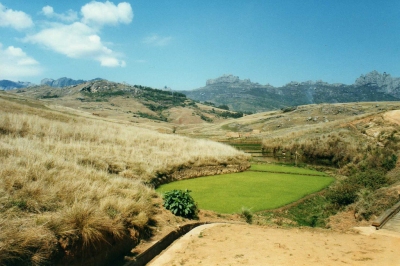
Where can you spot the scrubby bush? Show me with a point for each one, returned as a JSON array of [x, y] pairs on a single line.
[[180, 203], [371, 179], [247, 215], [224, 107], [288, 109], [343, 193]]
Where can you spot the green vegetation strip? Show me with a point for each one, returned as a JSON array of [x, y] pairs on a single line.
[[285, 169], [255, 190]]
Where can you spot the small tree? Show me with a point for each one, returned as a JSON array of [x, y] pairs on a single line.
[[224, 106], [180, 203]]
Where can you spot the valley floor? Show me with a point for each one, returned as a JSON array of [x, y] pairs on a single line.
[[242, 244]]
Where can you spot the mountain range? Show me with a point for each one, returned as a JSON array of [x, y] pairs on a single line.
[[55, 83], [245, 95]]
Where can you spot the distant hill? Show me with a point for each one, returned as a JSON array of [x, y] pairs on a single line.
[[245, 95], [10, 85], [63, 82], [131, 103], [55, 83]]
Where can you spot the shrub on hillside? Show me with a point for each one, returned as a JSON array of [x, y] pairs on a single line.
[[344, 193], [224, 107], [371, 179], [180, 203]]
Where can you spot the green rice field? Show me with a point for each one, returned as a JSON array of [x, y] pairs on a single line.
[[263, 187]]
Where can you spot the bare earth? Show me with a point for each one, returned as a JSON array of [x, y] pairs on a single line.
[[393, 116], [240, 244]]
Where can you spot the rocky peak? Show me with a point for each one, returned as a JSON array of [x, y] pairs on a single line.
[[374, 78], [223, 79]]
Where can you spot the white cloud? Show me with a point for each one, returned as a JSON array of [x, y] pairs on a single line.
[[16, 64], [157, 40], [76, 40], [70, 15], [109, 61], [97, 13], [14, 19], [48, 11]]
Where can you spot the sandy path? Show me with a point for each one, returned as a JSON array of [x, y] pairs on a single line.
[[393, 116], [234, 244]]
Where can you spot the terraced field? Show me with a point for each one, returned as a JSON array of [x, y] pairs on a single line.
[[262, 187]]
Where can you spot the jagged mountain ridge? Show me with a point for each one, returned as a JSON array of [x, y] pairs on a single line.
[[64, 82], [245, 95]]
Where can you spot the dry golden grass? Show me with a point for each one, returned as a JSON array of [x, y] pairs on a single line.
[[70, 182], [348, 142], [275, 124]]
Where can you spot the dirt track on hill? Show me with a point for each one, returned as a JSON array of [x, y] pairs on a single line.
[[393, 116], [234, 244]]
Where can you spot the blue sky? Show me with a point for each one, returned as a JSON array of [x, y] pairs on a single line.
[[181, 43]]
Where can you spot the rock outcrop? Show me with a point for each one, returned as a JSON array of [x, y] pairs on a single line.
[[385, 82]]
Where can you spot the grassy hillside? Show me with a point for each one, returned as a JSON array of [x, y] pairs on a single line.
[[363, 151], [72, 186], [163, 110], [288, 121]]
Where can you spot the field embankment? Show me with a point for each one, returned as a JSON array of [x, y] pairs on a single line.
[[75, 190]]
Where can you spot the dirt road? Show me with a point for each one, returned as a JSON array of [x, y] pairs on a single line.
[[233, 244]]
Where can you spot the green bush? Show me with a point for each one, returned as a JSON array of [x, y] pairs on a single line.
[[371, 179], [343, 194], [224, 107], [180, 203], [205, 118], [247, 215], [389, 162]]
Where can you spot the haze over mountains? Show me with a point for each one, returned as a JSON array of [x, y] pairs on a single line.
[[11, 85], [244, 95]]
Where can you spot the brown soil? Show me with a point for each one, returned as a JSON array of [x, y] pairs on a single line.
[[230, 241], [240, 244], [165, 222], [393, 116]]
